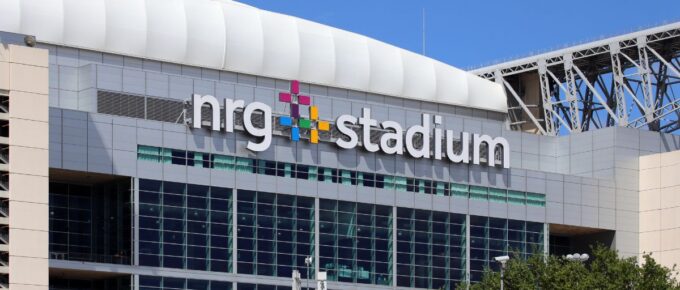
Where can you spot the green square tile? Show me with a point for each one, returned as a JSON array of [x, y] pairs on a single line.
[[305, 123]]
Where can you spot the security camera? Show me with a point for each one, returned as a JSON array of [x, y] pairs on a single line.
[[29, 40], [502, 259]]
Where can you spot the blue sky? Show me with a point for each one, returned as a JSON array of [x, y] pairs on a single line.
[[474, 33]]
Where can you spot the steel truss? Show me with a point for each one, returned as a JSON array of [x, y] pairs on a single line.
[[630, 80]]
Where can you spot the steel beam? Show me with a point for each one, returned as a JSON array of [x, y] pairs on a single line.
[[644, 72], [629, 80], [546, 96], [618, 89], [572, 92], [499, 79]]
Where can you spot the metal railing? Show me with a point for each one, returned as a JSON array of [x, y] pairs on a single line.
[[122, 259]]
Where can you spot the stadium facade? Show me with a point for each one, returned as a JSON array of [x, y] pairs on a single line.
[[211, 145]]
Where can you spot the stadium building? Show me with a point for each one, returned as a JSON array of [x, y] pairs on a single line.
[[204, 144]]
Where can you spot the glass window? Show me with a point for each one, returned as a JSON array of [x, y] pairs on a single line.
[[516, 197], [194, 218], [355, 242], [277, 236], [497, 195], [223, 162], [478, 192]]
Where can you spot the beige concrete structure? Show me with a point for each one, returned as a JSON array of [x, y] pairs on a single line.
[[24, 86], [660, 207]]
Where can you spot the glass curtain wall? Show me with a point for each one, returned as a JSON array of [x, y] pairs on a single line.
[[90, 222], [168, 283], [493, 237], [185, 226], [430, 249], [275, 233], [355, 242]]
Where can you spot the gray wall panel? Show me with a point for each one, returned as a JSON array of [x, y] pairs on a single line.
[[498, 210], [100, 135], [198, 175], [422, 201], [589, 216], [478, 207], [174, 173], [124, 163], [99, 160], [572, 214], [347, 192], [365, 194], [555, 212], [536, 214], [134, 81], [74, 157], [385, 196], [572, 193], [109, 78]]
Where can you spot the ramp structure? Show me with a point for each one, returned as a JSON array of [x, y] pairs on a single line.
[[631, 80]]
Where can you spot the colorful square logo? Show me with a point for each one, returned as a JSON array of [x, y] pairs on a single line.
[[295, 120]]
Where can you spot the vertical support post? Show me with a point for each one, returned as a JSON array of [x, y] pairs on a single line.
[[645, 78], [546, 97], [394, 247], [316, 236], [572, 93], [234, 232], [134, 192], [467, 250], [546, 240], [617, 72]]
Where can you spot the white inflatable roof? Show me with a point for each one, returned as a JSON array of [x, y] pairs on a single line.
[[232, 36]]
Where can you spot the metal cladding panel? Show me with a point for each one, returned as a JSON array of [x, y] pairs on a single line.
[[232, 36]]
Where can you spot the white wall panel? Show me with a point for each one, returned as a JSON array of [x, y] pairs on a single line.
[[317, 52], [484, 94], [452, 85], [245, 41], [420, 81], [125, 27], [352, 64], [85, 23], [11, 15], [387, 68], [44, 19], [281, 45], [206, 35], [166, 35]]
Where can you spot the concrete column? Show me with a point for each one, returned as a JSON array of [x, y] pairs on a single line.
[[28, 165]]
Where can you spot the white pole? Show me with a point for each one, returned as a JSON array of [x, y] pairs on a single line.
[[423, 31]]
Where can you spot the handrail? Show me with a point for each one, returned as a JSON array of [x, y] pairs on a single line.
[[122, 259]]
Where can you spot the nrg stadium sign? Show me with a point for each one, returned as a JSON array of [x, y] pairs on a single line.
[[395, 140]]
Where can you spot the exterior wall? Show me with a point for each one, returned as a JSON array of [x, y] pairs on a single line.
[[660, 207], [28, 166], [590, 179]]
